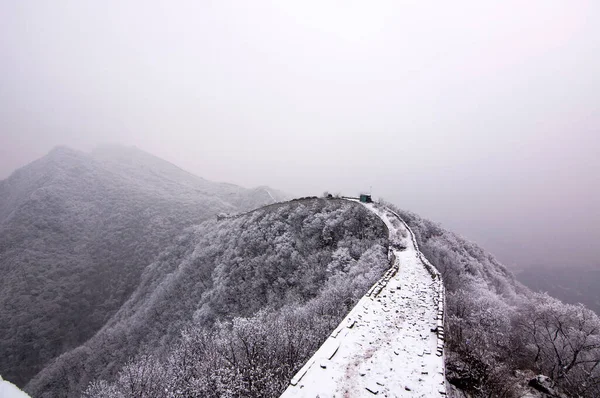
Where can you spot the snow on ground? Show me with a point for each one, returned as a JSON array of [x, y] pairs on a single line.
[[387, 345], [267, 191], [9, 390]]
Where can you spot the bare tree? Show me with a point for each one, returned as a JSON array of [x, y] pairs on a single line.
[[564, 342]]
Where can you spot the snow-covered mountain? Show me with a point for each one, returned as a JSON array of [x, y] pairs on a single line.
[[392, 342], [277, 279], [76, 232], [119, 281]]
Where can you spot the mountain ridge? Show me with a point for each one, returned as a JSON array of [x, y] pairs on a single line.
[[71, 218], [119, 280], [235, 267]]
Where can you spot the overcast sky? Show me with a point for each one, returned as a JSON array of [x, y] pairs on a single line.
[[484, 116]]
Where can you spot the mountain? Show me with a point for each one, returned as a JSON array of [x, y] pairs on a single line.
[[294, 268], [118, 280], [235, 306], [502, 339], [77, 231], [148, 173]]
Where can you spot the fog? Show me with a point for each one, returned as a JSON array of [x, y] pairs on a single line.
[[483, 117]]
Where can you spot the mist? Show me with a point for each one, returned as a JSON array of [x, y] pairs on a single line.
[[483, 117]]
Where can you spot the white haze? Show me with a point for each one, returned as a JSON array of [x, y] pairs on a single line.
[[484, 116]]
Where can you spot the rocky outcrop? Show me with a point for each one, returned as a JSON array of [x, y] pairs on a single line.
[[546, 387]]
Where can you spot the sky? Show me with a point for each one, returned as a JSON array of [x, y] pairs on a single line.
[[483, 116]]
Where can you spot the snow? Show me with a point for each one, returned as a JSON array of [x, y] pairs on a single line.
[[388, 345], [267, 191], [9, 390]]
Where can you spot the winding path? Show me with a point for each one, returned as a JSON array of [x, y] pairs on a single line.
[[391, 343]]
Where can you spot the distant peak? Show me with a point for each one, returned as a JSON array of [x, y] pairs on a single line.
[[63, 153], [123, 153], [62, 149], [117, 148]]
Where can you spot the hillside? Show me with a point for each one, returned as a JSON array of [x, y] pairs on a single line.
[[236, 308], [76, 232], [500, 334], [391, 343], [275, 281], [118, 281]]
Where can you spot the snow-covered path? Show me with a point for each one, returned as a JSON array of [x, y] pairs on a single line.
[[388, 344]]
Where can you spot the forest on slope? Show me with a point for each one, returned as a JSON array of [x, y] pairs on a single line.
[[118, 281], [232, 308], [254, 324], [499, 334], [76, 232]]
